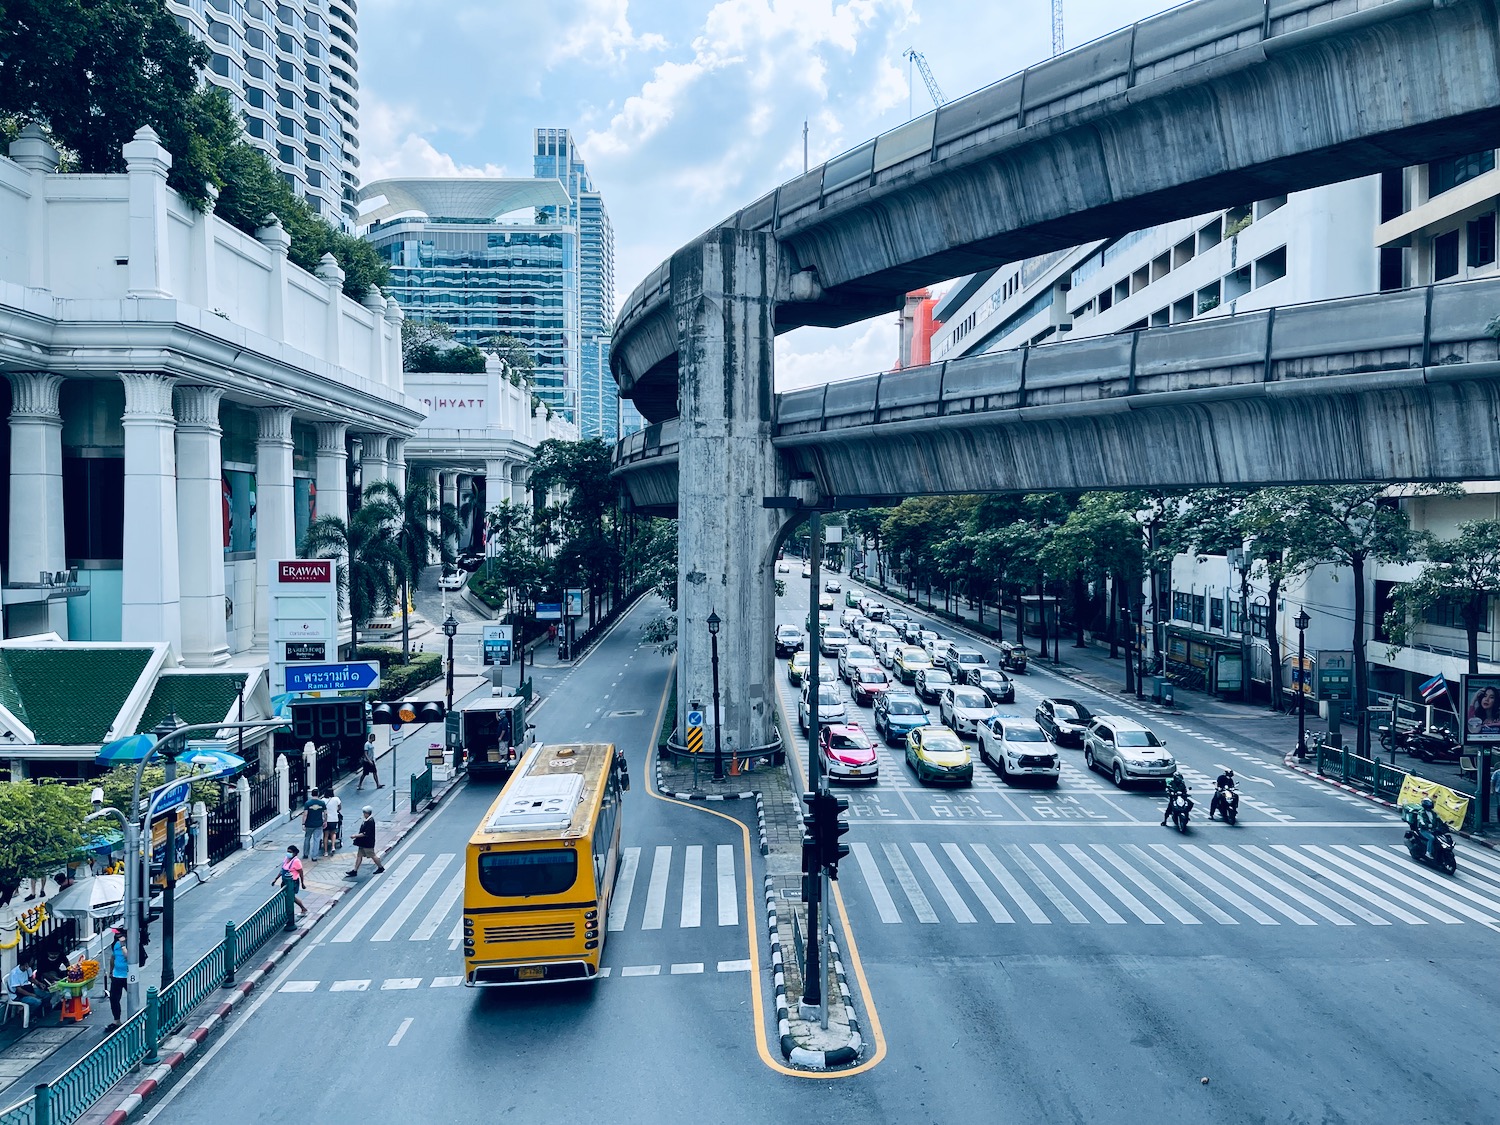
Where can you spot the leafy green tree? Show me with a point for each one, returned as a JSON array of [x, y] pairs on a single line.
[[1463, 571], [462, 360], [516, 361], [584, 522], [119, 783], [420, 509], [418, 332], [41, 826], [868, 523], [370, 580]]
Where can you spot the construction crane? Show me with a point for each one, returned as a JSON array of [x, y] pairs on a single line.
[[1057, 28], [915, 57]]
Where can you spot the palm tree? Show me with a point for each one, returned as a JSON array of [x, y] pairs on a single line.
[[368, 546], [419, 510]]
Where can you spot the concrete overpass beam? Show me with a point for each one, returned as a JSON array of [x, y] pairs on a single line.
[[724, 290]]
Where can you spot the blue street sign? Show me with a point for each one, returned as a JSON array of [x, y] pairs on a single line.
[[332, 677], [165, 798], [695, 718]]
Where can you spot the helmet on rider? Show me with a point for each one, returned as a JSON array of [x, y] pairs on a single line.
[[1427, 803], [1229, 773]]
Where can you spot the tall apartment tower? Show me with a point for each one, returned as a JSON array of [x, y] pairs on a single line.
[[290, 67], [599, 409]]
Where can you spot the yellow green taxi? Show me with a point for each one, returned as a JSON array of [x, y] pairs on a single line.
[[936, 755], [910, 659], [796, 667]]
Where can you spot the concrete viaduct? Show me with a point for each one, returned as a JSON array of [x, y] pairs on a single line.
[[1205, 106]]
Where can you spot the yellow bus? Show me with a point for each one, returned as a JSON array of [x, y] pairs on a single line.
[[541, 866]]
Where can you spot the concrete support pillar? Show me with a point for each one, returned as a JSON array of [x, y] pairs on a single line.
[[333, 490], [275, 238], [496, 483], [146, 165], [375, 460], [200, 510], [283, 787], [396, 463], [520, 486], [329, 270], [150, 602], [448, 483], [36, 496], [723, 295], [275, 529], [242, 793]]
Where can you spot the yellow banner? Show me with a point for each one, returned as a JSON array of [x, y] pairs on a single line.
[[1451, 806]]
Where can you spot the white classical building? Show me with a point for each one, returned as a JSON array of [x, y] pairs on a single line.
[[182, 401]]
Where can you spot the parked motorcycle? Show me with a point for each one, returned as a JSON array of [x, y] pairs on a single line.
[[1012, 657], [1227, 802], [1441, 855], [1420, 742], [1181, 808]]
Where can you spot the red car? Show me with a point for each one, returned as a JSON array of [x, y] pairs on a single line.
[[868, 682], [847, 753]]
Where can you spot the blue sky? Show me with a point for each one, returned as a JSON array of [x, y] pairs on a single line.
[[685, 109]]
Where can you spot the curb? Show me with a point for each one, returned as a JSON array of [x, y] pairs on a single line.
[[793, 1052], [1291, 764], [760, 807], [182, 1046]]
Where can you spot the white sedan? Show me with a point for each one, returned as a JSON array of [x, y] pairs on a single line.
[[1015, 748], [454, 581], [964, 709]]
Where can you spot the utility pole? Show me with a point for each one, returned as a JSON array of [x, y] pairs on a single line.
[[804, 146]]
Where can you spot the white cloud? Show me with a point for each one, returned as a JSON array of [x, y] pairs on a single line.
[[394, 144], [811, 356], [603, 31]]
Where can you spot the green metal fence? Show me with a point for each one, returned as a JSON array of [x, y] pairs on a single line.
[[421, 787], [1373, 776], [68, 1096]]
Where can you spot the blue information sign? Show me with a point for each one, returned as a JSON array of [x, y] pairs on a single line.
[[165, 798], [332, 677], [695, 718]]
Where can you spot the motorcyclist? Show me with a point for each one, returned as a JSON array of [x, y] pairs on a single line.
[[1176, 784], [1221, 783], [1425, 823]]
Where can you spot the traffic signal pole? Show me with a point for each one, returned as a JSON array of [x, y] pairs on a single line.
[[812, 870]]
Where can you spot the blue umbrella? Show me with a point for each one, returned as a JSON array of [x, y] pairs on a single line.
[[207, 764], [127, 751], [281, 705]]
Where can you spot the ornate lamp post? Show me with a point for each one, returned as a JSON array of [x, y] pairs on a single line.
[[713, 636], [1301, 622], [450, 630]]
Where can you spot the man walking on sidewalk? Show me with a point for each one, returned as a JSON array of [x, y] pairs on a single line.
[[367, 765], [312, 826], [364, 841]]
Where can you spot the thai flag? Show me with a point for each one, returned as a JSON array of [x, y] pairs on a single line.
[[1433, 688]]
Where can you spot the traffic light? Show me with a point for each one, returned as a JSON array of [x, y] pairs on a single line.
[[397, 714], [831, 827], [325, 720], [810, 882]]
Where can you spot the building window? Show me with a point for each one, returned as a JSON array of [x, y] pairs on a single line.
[[1445, 175], [1182, 608], [93, 508], [1392, 268], [1482, 240], [1198, 601], [1271, 268], [1260, 615], [1448, 614], [1392, 194], [1445, 255], [1216, 613], [1235, 621]]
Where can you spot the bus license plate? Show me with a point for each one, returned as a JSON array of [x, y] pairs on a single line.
[[531, 972]]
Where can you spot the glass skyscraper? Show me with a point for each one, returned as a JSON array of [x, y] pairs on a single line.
[[599, 410], [488, 257]]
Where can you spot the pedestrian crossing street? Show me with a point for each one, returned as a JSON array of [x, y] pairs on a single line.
[[663, 887], [1170, 883]]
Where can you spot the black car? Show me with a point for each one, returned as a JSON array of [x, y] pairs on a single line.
[[789, 639], [1064, 720], [994, 684]]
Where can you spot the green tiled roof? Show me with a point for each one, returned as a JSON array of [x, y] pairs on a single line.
[[196, 698], [69, 696]]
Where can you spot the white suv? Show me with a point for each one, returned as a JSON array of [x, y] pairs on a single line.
[[831, 706], [1126, 751]]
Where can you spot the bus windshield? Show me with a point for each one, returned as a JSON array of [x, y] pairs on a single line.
[[523, 874]]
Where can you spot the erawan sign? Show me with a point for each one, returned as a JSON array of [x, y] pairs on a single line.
[[304, 616], [299, 571]]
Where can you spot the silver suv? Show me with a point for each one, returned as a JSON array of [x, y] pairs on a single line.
[[1126, 751], [960, 660]]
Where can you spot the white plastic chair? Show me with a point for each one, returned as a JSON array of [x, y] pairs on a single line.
[[12, 1003]]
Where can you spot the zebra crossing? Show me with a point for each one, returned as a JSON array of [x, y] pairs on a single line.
[[690, 887], [1157, 884]]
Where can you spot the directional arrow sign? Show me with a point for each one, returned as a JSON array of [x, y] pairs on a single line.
[[165, 798], [695, 718], [332, 677]]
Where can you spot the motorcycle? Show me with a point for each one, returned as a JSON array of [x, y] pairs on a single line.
[[1423, 743], [1226, 801], [1179, 811], [1012, 657], [1441, 856]]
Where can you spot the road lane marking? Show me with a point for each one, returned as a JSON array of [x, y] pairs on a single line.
[[729, 910], [440, 909], [299, 986], [1445, 888], [1202, 856], [1185, 889], [1046, 885], [1161, 898], [687, 969], [1112, 885], [1233, 855], [446, 982], [656, 891], [692, 888], [908, 884], [1249, 908], [349, 986], [1325, 871], [413, 898], [944, 885], [619, 904], [976, 884], [400, 1032], [1033, 912], [1084, 891], [885, 906], [641, 971], [742, 966], [392, 883], [1312, 884], [1383, 887], [400, 984]]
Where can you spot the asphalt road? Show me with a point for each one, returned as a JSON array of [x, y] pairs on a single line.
[[1021, 955]]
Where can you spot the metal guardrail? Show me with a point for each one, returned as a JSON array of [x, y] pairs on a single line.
[[68, 1096], [1373, 776], [421, 787]]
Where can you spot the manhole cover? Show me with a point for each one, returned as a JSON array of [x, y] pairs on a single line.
[[625, 714]]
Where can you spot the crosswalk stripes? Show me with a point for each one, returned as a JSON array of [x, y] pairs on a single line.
[[420, 898], [1190, 884]]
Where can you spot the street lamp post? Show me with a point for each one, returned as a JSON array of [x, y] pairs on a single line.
[[1301, 622], [450, 630], [163, 732], [713, 636], [131, 831]]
